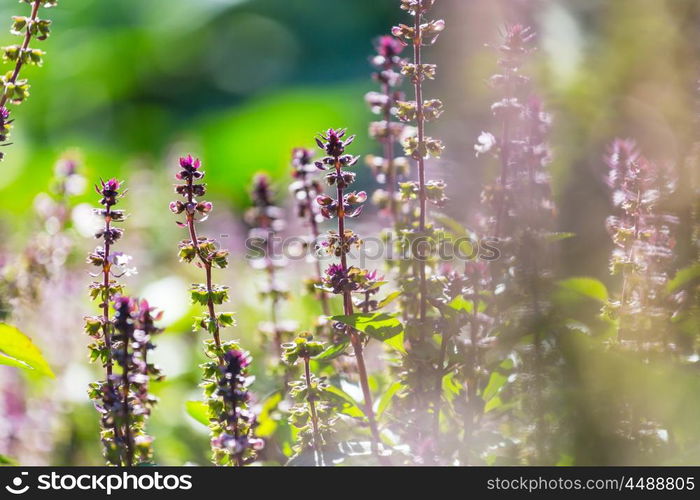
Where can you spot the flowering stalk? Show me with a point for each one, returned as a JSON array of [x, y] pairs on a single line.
[[517, 44], [643, 237], [418, 233], [313, 415], [387, 168], [521, 218], [106, 394], [266, 220], [533, 269], [305, 190], [420, 111], [201, 248], [225, 383], [341, 278], [104, 258], [134, 325], [643, 234], [15, 90]]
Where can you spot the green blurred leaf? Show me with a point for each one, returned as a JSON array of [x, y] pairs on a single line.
[[18, 350], [459, 303], [496, 383], [455, 227], [559, 236], [586, 287], [348, 405], [387, 398], [389, 299], [333, 351], [493, 404], [684, 276], [451, 387], [198, 411], [5, 460], [380, 326], [266, 424], [397, 343]]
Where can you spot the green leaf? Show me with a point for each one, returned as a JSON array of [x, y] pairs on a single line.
[[451, 388], [198, 411], [397, 343], [684, 276], [389, 299], [493, 404], [459, 303], [5, 460], [380, 326], [333, 351], [387, 398], [552, 237], [267, 425], [348, 404], [451, 225], [496, 383], [586, 287], [16, 349]]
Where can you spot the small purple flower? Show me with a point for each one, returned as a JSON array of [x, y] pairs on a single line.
[[261, 194], [301, 159], [109, 191], [4, 123], [124, 308], [235, 361], [333, 144], [339, 280], [190, 168], [190, 163], [113, 185], [517, 40], [388, 46]]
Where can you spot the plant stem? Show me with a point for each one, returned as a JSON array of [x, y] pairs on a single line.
[[234, 424], [625, 277], [274, 301], [388, 144], [126, 384], [106, 322], [438, 386], [473, 383], [355, 339], [423, 212], [538, 321], [24, 47], [505, 164], [205, 262], [106, 269], [315, 233], [420, 126], [314, 416]]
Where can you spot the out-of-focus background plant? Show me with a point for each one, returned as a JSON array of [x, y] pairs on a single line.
[[128, 86]]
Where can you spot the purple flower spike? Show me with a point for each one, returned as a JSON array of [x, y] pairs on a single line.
[[388, 46]]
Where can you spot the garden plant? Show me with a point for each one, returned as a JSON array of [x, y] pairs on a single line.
[[494, 277]]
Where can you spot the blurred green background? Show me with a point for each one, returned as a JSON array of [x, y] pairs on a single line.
[[135, 83]]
